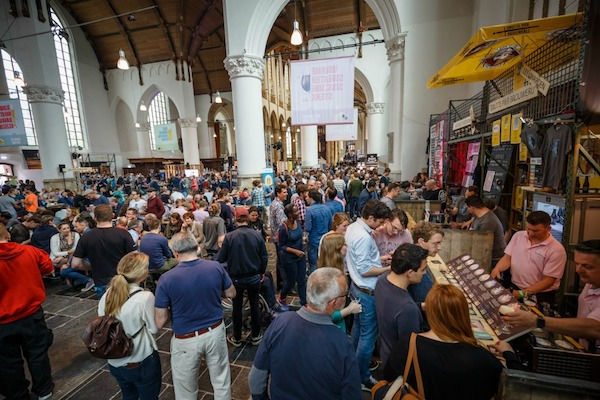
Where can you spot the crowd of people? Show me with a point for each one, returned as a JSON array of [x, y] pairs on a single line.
[[355, 260]]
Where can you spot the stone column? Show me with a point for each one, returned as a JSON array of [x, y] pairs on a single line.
[[245, 73], [189, 138], [310, 146], [47, 108], [205, 139], [143, 140], [395, 52], [377, 142]]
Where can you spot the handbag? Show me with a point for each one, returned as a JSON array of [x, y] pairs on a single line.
[[105, 337], [399, 389]]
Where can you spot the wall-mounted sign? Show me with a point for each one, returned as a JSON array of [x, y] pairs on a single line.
[[165, 137], [12, 129], [515, 129], [535, 79], [527, 92]]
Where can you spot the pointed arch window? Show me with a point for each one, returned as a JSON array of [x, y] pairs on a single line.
[[10, 67], [158, 113]]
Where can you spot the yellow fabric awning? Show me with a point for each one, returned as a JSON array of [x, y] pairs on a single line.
[[494, 49]]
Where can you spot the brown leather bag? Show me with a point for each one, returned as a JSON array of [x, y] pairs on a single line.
[[105, 337], [399, 389]]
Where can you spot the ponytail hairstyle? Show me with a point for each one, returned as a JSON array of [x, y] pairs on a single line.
[[132, 267]]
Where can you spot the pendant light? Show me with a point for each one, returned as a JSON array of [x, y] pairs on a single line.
[[198, 119], [122, 63], [137, 125], [143, 107], [296, 38], [19, 82], [218, 99]]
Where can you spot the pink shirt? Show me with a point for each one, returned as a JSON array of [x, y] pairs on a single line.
[[589, 306], [388, 244], [531, 262]]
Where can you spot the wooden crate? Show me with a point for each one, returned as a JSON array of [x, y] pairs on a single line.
[[478, 244]]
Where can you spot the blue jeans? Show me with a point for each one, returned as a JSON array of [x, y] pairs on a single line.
[[419, 290], [364, 331], [294, 272], [352, 206], [74, 275], [142, 382], [313, 252], [100, 290]]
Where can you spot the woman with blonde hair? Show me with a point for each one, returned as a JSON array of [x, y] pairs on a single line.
[[339, 224], [453, 364], [139, 374], [333, 252]]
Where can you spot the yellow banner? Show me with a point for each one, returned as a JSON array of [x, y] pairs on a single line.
[[515, 129], [522, 152], [505, 130], [496, 133]]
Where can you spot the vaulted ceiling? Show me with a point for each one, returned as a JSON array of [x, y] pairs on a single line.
[[193, 30]]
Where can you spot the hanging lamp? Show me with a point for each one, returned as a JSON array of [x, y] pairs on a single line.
[[122, 62]]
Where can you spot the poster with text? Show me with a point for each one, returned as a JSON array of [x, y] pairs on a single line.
[[165, 137], [496, 133], [515, 129], [12, 129], [343, 132], [505, 130], [322, 91]]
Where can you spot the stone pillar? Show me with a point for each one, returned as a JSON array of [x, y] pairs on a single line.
[[245, 73], [395, 52], [189, 138], [47, 108], [377, 142], [143, 140], [205, 140], [310, 146]]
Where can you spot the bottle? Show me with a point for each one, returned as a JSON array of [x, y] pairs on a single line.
[[586, 184], [578, 185]]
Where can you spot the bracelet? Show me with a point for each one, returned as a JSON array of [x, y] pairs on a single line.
[[521, 294]]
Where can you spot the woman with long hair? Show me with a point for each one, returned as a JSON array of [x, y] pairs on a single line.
[[293, 259], [194, 227], [333, 251], [174, 225], [453, 364], [339, 224], [139, 374]]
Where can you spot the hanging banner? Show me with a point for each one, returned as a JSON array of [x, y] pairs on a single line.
[[472, 157], [322, 91], [343, 132], [527, 92], [515, 129], [12, 128], [496, 133], [165, 137], [540, 83], [505, 130]]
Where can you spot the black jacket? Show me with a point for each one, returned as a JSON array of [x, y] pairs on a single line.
[[245, 253]]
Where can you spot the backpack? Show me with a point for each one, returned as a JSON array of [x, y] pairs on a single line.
[[105, 337]]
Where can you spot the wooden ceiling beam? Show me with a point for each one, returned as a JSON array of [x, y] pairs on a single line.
[[197, 58], [197, 37], [165, 29], [125, 32], [133, 30]]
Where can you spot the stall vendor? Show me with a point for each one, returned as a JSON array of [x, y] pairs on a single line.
[[536, 260], [587, 323]]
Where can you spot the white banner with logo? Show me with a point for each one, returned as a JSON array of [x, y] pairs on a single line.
[[12, 128], [322, 91], [165, 137], [343, 132]]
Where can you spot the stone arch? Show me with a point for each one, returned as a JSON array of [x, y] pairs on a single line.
[[266, 12], [226, 109], [363, 81], [126, 131]]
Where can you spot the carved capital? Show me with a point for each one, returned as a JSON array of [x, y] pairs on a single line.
[[395, 48], [188, 122], [375, 108], [44, 94], [238, 66]]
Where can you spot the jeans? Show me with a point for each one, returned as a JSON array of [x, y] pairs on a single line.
[[352, 206], [100, 290], [142, 382], [27, 337], [253, 291], [313, 252], [279, 281], [74, 275], [418, 291], [294, 272], [364, 331]]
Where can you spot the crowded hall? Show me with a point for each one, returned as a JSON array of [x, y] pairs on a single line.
[[299, 199]]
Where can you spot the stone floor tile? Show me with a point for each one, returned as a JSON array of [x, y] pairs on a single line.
[[239, 386], [54, 303], [102, 386]]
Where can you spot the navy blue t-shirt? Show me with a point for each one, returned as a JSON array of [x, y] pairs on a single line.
[[308, 360], [193, 292], [157, 248]]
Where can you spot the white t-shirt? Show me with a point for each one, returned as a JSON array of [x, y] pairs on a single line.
[[138, 204], [176, 195]]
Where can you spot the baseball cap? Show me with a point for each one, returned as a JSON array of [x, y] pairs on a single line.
[[241, 212]]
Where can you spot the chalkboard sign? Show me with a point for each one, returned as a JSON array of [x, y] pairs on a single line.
[[497, 165]]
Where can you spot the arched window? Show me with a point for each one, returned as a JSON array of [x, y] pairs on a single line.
[[158, 113], [288, 142], [67, 82], [10, 67]]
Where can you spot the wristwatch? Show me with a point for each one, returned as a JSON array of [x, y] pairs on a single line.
[[541, 322]]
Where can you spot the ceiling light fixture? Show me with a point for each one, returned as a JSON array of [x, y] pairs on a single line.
[[198, 119], [19, 82], [122, 63], [137, 125], [218, 99], [283, 124], [143, 107], [214, 135], [296, 38]]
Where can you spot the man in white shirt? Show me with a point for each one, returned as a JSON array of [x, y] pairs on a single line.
[[137, 202], [176, 194]]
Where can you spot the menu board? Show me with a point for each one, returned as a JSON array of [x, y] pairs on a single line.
[[484, 293]]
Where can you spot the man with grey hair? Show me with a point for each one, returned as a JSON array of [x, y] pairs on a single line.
[[309, 342], [135, 228], [190, 295]]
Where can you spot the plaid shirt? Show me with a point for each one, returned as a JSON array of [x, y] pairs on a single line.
[[258, 197], [301, 206], [277, 216]]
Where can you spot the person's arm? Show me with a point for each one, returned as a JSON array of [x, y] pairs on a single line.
[[308, 220], [223, 251], [257, 381], [359, 254], [588, 328], [161, 317], [55, 247], [540, 286], [45, 263], [264, 255], [502, 266], [148, 313], [166, 251], [353, 308], [229, 292]]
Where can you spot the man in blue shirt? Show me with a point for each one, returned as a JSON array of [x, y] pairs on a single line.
[[368, 193], [190, 294], [308, 343], [364, 266], [334, 205], [317, 222]]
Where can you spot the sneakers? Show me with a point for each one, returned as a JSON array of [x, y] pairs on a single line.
[[233, 341], [45, 397], [255, 341], [88, 286], [366, 386], [373, 365]]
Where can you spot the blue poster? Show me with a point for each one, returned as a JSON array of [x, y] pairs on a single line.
[[268, 178], [12, 129], [165, 137]]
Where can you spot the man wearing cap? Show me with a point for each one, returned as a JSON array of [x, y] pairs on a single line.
[[154, 205], [95, 198], [245, 252]]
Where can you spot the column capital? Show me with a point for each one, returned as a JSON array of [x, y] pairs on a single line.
[[44, 94], [395, 47], [187, 122], [375, 108], [244, 65]]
